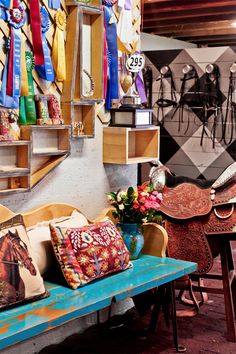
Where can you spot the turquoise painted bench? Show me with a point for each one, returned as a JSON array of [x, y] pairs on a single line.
[[64, 304]]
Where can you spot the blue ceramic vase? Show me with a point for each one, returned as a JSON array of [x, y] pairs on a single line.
[[133, 239]]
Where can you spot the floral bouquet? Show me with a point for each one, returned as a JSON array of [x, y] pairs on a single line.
[[138, 206]]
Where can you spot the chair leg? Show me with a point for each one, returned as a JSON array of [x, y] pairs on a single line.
[[233, 287], [229, 304]]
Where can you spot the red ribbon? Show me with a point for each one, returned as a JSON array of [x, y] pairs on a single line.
[[35, 24], [10, 67]]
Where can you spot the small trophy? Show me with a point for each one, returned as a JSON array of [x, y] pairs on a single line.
[[127, 82], [131, 113]]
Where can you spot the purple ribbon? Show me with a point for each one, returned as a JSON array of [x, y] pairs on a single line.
[[140, 87], [128, 5]]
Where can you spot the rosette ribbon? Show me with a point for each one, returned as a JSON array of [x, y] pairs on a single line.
[[45, 71], [16, 18], [27, 103], [58, 49]]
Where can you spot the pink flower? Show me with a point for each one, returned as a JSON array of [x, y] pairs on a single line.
[[136, 206], [152, 205]]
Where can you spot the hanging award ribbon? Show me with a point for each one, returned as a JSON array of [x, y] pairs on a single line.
[[112, 49], [58, 49], [24, 77], [27, 103], [54, 4], [5, 100], [5, 3], [45, 71], [16, 18], [35, 25]]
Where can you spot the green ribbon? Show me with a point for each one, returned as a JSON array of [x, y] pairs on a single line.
[[27, 103]]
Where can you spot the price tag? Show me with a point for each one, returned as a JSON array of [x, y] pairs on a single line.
[[135, 63]]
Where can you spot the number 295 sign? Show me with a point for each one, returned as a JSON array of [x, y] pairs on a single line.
[[135, 63]]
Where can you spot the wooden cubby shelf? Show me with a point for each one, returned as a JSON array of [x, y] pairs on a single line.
[[84, 52], [81, 117], [50, 146], [48, 139], [130, 145], [14, 166], [90, 3]]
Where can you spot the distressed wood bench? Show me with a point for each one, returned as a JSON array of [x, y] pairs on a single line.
[[29, 320]]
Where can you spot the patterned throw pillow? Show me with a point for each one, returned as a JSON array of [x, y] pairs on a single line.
[[20, 279], [89, 252]]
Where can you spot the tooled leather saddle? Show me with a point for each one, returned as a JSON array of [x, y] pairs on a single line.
[[194, 209]]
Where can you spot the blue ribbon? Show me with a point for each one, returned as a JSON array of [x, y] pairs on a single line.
[[5, 100], [16, 63], [54, 4], [3, 14], [111, 34], [12, 17], [45, 71], [5, 3]]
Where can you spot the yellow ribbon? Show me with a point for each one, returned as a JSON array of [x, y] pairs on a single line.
[[58, 49], [24, 75]]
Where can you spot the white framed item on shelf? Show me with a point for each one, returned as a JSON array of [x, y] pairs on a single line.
[[89, 74]]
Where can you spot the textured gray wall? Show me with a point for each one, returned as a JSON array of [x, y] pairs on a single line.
[[82, 180]]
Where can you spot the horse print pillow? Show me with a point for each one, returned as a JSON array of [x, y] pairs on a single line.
[[20, 279]]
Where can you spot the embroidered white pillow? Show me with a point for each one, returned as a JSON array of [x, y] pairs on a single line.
[[40, 238]]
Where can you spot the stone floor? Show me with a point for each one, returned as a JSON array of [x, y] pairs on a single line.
[[202, 334]]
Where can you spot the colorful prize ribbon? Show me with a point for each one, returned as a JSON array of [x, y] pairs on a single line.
[[58, 50], [5, 100], [45, 71], [16, 18], [5, 3], [54, 4], [27, 103], [112, 91], [35, 25]]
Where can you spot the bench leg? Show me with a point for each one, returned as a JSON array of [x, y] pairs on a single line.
[[156, 310], [179, 348]]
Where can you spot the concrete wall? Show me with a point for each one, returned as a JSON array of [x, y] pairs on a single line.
[[82, 180]]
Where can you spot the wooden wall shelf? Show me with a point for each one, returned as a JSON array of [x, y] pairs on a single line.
[[15, 166], [80, 115], [91, 3], [130, 145], [50, 146], [84, 50], [48, 139]]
